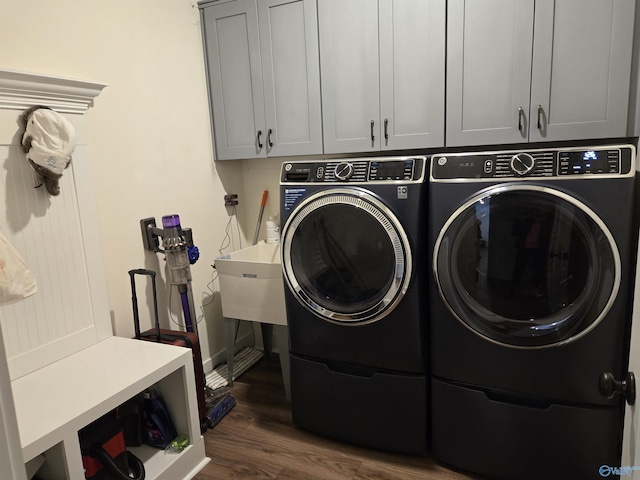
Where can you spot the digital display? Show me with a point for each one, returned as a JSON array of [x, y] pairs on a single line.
[[390, 170], [465, 166], [589, 162]]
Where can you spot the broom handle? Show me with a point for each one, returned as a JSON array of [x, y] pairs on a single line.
[[262, 204]]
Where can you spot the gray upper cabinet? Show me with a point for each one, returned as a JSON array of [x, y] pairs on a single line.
[[581, 69], [264, 79], [382, 69], [516, 71], [488, 70], [559, 71]]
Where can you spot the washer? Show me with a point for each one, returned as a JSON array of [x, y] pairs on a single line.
[[529, 308], [355, 276]]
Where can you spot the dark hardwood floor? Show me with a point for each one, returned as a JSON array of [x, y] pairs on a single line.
[[257, 440]]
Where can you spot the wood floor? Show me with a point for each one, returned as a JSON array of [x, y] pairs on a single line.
[[257, 440]]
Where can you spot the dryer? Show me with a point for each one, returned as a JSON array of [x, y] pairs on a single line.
[[355, 272], [529, 308]]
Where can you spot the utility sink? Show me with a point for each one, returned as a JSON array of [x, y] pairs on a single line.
[[251, 288], [251, 284]]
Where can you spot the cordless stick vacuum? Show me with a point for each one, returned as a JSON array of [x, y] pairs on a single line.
[[180, 253]]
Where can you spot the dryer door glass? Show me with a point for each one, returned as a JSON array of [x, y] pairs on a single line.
[[345, 256], [527, 266]]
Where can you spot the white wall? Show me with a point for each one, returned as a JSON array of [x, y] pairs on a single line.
[[259, 175], [148, 133]]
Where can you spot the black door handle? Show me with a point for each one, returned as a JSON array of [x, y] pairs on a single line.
[[609, 386]]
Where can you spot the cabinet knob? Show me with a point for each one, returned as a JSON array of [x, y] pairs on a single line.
[[386, 130], [258, 139], [373, 138], [269, 142]]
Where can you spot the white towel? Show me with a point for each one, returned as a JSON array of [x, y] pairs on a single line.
[[53, 140]]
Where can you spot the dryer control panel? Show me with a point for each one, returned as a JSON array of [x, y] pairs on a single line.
[[356, 170], [561, 163]]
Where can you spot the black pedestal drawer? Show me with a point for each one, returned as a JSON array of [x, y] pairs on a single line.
[[484, 433], [381, 410]]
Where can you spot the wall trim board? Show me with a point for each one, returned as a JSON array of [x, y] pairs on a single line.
[[30, 361], [21, 90]]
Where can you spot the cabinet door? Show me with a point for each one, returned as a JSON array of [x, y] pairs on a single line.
[[412, 59], [488, 71], [232, 49], [581, 69], [348, 32], [291, 76]]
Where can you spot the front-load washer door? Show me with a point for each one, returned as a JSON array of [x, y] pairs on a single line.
[[345, 256], [526, 266]]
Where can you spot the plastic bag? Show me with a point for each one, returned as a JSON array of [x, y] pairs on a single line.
[[16, 280]]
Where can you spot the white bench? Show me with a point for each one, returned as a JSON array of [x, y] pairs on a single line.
[[56, 401]]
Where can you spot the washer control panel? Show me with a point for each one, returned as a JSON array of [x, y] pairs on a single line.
[[568, 162], [357, 170]]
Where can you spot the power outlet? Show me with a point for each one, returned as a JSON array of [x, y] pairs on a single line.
[[230, 200]]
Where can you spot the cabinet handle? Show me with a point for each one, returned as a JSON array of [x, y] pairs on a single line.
[[520, 116], [386, 129], [259, 141], [269, 142], [539, 117], [373, 138]]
